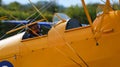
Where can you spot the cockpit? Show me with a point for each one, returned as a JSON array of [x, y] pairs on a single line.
[[71, 22], [57, 18]]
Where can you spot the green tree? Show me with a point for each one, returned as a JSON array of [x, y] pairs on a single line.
[[14, 6], [78, 12]]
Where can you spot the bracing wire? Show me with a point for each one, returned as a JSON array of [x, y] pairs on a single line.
[[71, 48], [115, 5], [67, 56], [119, 2], [37, 10], [24, 26], [105, 3], [2, 36], [43, 9]]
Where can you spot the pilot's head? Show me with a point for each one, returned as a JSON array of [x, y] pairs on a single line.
[[34, 27]]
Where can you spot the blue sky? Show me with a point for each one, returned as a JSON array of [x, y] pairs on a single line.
[[66, 3]]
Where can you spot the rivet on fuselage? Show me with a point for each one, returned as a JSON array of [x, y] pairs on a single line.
[[97, 44]]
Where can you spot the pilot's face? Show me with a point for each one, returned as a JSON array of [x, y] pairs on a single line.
[[35, 28]]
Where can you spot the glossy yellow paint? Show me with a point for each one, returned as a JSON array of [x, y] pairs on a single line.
[[77, 47]]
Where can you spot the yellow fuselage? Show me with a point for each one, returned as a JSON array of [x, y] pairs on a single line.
[[78, 47]]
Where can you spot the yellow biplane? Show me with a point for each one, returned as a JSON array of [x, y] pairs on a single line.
[[68, 43]]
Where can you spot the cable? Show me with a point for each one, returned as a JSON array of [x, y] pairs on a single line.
[[34, 14], [28, 18], [73, 50], [37, 10], [68, 57], [107, 5], [115, 5], [3, 36]]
